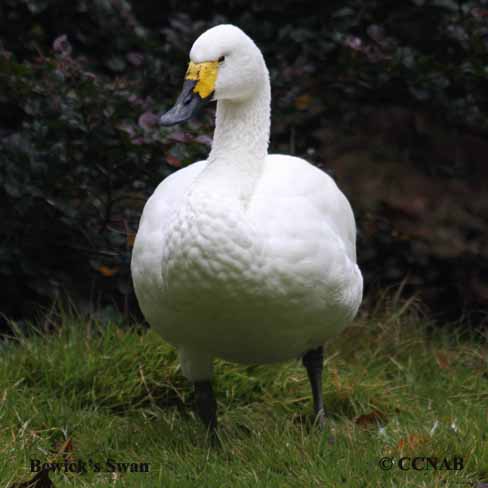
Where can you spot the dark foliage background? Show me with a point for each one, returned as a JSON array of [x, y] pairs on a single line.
[[390, 97]]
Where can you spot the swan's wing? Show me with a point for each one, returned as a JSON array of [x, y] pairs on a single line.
[[295, 200], [148, 245], [168, 196], [308, 241]]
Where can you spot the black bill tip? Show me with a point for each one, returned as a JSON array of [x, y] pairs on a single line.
[[186, 106]]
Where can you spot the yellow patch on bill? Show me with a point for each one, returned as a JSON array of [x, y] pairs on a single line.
[[205, 74]]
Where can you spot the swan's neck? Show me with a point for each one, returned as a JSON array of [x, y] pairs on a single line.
[[242, 128], [240, 144]]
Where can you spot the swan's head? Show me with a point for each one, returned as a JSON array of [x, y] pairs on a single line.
[[225, 64]]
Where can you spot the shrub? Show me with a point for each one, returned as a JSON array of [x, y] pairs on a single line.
[[79, 154]]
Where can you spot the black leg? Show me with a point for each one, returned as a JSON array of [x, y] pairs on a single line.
[[206, 404], [314, 363]]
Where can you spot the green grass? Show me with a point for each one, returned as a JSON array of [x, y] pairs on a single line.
[[119, 395]]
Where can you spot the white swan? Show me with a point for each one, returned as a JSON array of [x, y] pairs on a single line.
[[247, 256]]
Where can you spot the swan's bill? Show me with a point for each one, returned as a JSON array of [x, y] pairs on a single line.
[[186, 106], [197, 89]]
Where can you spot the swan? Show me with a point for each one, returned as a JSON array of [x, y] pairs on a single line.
[[247, 256]]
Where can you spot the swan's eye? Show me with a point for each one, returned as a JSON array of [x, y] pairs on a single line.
[[221, 59]]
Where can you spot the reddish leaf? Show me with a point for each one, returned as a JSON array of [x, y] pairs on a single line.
[[148, 120], [354, 43], [66, 446], [65, 449], [180, 136], [135, 58], [479, 12], [203, 139], [134, 99], [173, 161], [62, 45], [137, 141], [413, 441], [375, 417]]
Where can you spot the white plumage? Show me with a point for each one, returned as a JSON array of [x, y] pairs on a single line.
[[247, 256]]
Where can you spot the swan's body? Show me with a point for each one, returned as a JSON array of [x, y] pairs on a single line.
[[247, 256], [254, 285]]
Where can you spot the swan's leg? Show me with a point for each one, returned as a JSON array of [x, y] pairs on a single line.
[[313, 361], [197, 367], [206, 404]]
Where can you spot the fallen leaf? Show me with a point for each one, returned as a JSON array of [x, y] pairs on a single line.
[[442, 359], [106, 271], [413, 441], [335, 379], [66, 450], [374, 417], [131, 237], [66, 446], [303, 102]]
